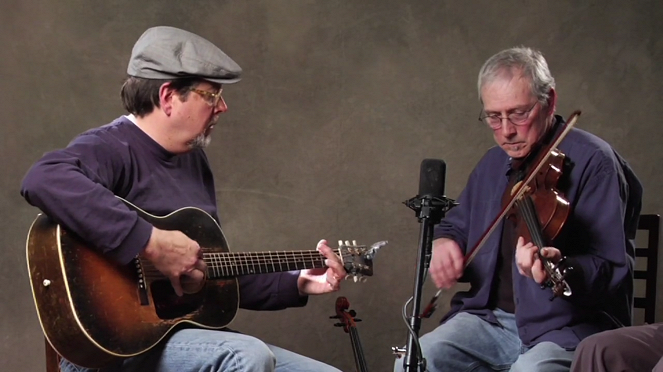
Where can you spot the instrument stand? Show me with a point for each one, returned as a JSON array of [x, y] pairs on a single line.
[[429, 211]]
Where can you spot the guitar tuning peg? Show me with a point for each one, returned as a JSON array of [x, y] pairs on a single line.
[[363, 279], [355, 279], [347, 243], [340, 243], [354, 243], [357, 320], [338, 324]]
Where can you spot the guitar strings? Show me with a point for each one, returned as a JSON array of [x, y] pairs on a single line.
[[238, 263]]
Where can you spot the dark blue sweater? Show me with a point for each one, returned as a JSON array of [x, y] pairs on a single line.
[[605, 199], [77, 185]]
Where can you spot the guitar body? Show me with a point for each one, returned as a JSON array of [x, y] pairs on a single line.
[[95, 312]]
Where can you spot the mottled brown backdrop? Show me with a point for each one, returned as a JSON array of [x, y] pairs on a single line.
[[340, 102]]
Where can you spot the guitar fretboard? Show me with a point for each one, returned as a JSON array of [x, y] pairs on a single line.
[[230, 264]]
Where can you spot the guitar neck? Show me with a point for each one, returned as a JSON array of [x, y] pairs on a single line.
[[231, 264]]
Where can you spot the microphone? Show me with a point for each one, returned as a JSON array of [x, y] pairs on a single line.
[[430, 202], [431, 178], [430, 205]]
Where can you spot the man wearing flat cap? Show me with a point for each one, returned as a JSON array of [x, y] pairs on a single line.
[[154, 158]]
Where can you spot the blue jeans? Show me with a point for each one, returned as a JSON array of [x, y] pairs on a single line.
[[468, 343], [198, 350]]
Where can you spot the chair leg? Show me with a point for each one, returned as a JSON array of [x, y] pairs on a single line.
[[52, 358]]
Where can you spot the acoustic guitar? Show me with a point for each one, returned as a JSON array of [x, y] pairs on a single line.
[[93, 311], [348, 322]]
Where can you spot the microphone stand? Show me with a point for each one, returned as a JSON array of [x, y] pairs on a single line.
[[429, 210]]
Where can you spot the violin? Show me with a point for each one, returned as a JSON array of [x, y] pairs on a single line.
[[348, 322], [539, 211]]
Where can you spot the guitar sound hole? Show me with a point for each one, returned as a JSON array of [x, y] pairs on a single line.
[[169, 305]]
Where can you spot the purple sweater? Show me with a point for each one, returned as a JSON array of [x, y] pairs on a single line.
[[605, 198], [77, 185]]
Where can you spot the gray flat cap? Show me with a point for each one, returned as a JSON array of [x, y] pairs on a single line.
[[169, 53]]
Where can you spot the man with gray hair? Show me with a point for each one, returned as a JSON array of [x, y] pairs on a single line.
[[154, 159], [507, 320]]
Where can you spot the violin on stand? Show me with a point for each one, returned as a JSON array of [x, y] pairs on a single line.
[[348, 322]]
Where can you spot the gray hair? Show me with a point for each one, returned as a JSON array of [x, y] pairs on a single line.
[[529, 62]]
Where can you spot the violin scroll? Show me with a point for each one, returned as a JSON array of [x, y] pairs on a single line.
[[346, 316]]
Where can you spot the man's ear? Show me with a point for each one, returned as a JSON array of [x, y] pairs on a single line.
[[552, 102], [166, 96]]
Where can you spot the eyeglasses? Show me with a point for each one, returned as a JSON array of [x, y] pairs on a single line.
[[516, 118], [210, 98]]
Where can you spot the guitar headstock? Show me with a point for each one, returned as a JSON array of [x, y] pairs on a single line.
[[358, 259]]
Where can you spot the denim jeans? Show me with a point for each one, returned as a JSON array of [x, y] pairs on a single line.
[[468, 343], [190, 350]]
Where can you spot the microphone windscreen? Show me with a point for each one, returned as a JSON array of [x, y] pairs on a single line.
[[432, 177]]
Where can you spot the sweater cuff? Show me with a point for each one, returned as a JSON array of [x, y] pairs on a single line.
[[134, 243], [288, 291]]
